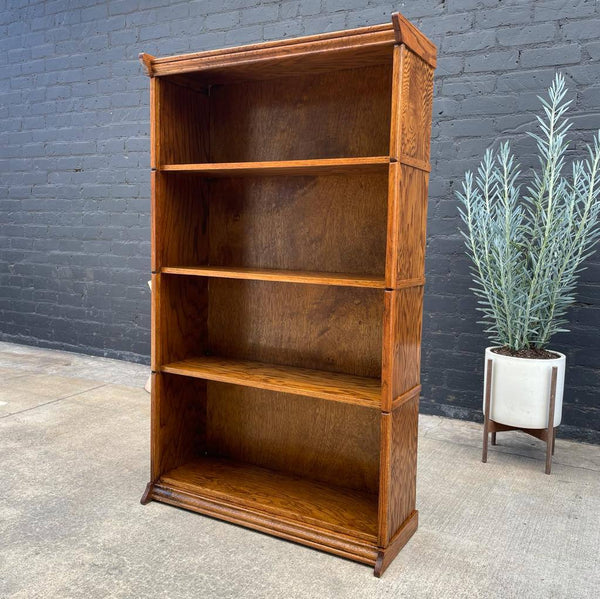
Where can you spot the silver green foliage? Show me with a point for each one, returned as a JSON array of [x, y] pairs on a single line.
[[528, 242]]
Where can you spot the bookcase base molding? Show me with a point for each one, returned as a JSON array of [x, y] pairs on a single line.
[[289, 199], [312, 536]]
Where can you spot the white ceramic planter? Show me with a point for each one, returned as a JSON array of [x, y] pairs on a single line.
[[521, 390]]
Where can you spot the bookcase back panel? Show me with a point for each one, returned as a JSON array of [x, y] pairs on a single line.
[[313, 438], [328, 224], [311, 326], [303, 117], [179, 318]]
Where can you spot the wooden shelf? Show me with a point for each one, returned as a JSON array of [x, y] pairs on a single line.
[[292, 497], [334, 386], [325, 166], [286, 276]]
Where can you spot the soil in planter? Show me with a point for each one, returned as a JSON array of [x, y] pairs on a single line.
[[531, 353]]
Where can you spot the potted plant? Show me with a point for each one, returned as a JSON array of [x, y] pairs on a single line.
[[527, 243]]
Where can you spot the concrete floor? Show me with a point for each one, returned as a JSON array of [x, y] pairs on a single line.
[[74, 461]]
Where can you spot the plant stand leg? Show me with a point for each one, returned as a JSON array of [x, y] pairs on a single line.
[[494, 438], [550, 431], [486, 421], [553, 441]]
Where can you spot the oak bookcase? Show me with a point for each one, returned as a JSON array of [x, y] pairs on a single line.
[[289, 193]]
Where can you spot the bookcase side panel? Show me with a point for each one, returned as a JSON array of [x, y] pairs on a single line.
[[416, 103], [401, 356], [179, 318], [397, 494], [412, 101], [181, 130], [395, 117], [180, 209], [153, 122], [412, 207], [178, 421]]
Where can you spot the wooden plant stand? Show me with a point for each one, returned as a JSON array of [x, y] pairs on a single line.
[[289, 199], [547, 434]]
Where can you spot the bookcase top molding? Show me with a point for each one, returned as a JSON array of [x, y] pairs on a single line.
[[365, 45]]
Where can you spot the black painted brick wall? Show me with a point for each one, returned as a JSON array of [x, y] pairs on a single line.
[[74, 161]]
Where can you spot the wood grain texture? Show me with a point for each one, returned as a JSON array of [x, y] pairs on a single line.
[[284, 276], [398, 467], [405, 532], [334, 386], [147, 495], [408, 35], [538, 433], [415, 103], [412, 97], [323, 63], [154, 122], [354, 37], [401, 356], [180, 207], [326, 166], [293, 497], [319, 440], [324, 53], [395, 108], [189, 82], [313, 536], [182, 127], [178, 422], [146, 61], [297, 118], [414, 162], [179, 318], [325, 224], [337, 329], [407, 224], [406, 397], [394, 228]]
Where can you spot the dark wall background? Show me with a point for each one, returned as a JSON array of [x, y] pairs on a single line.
[[74, 161]]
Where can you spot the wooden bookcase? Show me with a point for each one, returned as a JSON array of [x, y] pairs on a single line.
[[289, 193]]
